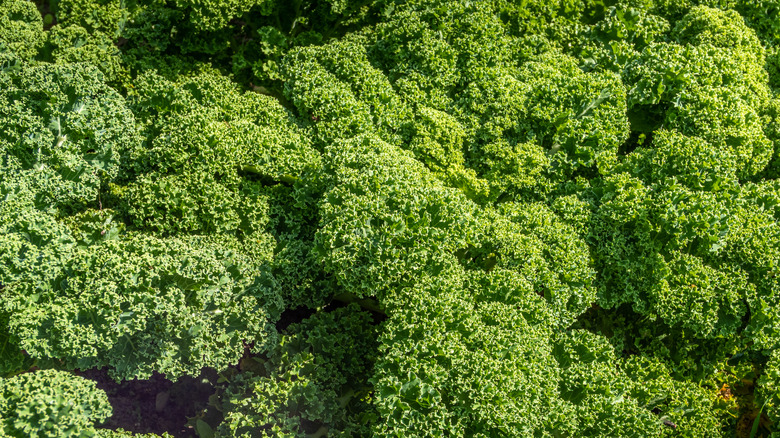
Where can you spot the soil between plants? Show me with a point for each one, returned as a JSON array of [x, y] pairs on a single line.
[[156, 405]]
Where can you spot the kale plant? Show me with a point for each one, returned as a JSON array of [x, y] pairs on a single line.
[[394, 218]]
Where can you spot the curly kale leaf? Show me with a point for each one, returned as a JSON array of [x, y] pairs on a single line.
[[51, 403], [65, 132], [21, 29], [142, 304], [314, 381]]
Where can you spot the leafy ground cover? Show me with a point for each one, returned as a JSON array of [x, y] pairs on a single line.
[[389, 218]]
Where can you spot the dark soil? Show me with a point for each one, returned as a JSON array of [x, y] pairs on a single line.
[[156, 405]]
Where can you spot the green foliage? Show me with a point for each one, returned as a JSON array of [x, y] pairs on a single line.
[[689, 406], [692, 161], [208, 150], [758, 14], [559, 21], [75, 44], [351, 97], [495, 368], [120, 433], [294, 217], [769, 389], [314, 381], [21, 28], [531, 242], [562, 214], [64, 132], [772, 130], [431, 50], [102, 16], [140, 304], [29, 240], [550, 118], [672, 254], [33, 247], [212, 15], [51, 403], [725, 29], [712, 87], [632, 24], [12, 359], [387, 220], [449, 364]]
